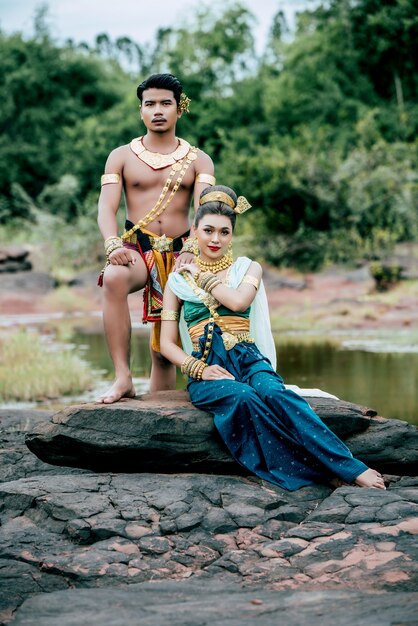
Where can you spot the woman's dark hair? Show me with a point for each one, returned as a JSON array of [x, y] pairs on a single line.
[[161, 81], [217, 207]]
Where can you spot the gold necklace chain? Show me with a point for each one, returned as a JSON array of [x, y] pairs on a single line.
[[159, 207], [216, 266]]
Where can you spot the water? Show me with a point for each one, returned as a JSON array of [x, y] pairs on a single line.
[[384, 381], [361, 372]]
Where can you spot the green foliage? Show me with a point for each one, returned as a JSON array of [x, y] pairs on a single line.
[[385, 276], [319, 133], [45, 89]]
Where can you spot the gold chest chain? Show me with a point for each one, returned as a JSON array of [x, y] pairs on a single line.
[[162, 203]]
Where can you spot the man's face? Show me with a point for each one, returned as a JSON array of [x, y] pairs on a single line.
[[159, 110]]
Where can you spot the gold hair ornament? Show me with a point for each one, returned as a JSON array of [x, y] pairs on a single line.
[[241, 206], [184, 103]]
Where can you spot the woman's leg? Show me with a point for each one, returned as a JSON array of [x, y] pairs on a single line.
[[311, 433], [254, 435]]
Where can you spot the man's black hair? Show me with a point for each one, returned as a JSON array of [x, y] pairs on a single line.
[[161, 81]]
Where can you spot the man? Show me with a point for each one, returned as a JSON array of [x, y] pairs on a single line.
[[159, 173]]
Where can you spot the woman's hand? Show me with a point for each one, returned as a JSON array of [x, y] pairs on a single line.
[[216, 372]]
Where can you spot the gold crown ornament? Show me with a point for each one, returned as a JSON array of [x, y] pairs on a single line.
[[241, 206]]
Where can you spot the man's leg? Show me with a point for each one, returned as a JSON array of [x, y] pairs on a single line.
[[163, 373], [118, 282]]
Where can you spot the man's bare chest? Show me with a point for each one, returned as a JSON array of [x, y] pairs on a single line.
[[137, 175]]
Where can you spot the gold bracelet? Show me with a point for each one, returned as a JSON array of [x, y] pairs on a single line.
[[212, 284], [111, 237], [184, 366], [190, 245], [203, 278], [111, 241], [169, 316], [111, 246]]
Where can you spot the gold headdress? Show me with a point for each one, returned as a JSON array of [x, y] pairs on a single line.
[[184, 103], [241, 206]]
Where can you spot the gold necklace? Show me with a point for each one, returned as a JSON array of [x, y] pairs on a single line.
[[157, 160], [216, 266]]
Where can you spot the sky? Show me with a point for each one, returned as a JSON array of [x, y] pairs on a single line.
[[82, 20]]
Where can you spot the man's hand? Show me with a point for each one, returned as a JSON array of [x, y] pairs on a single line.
[[122, 256], [182, 259], [192, 268], [216, 372]]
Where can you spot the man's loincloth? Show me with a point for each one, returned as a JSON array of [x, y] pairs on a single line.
[[159, 254]]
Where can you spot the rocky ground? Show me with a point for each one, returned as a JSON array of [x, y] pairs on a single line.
[[118, 538], [193, 548]]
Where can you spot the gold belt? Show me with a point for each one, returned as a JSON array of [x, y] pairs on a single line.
[[234, 330], [230, 340]]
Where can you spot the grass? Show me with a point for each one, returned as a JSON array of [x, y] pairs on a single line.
[[31, 370], [65, 299]]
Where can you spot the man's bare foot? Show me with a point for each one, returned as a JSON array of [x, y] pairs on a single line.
[[120, 389], [370, 478]]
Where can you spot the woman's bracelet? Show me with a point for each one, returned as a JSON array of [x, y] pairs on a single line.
[[193, 367], [208, 281]]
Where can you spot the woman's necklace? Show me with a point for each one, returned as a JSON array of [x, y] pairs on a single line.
[[216, 266]]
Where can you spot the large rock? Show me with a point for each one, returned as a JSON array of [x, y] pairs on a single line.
[[82, 546], [191, 604], [84, 531], [163, 432], [15, 459], [14, 259]]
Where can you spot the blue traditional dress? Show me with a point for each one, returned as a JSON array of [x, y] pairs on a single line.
[[269, 429]]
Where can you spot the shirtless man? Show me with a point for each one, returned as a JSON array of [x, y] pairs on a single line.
[[158, 173]]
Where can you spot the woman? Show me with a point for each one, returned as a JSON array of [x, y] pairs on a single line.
[[269, 429]]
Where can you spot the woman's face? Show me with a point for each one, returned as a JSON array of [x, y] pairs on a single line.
[[213, 233]]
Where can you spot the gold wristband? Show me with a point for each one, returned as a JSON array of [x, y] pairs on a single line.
[[190, 245], [169, 316]]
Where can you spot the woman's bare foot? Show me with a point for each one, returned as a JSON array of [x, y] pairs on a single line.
[[121, 388], [370, 478]]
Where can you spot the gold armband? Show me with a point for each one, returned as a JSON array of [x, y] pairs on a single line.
[[169, 316], [250, 280], [108, 179], [206, 178]]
